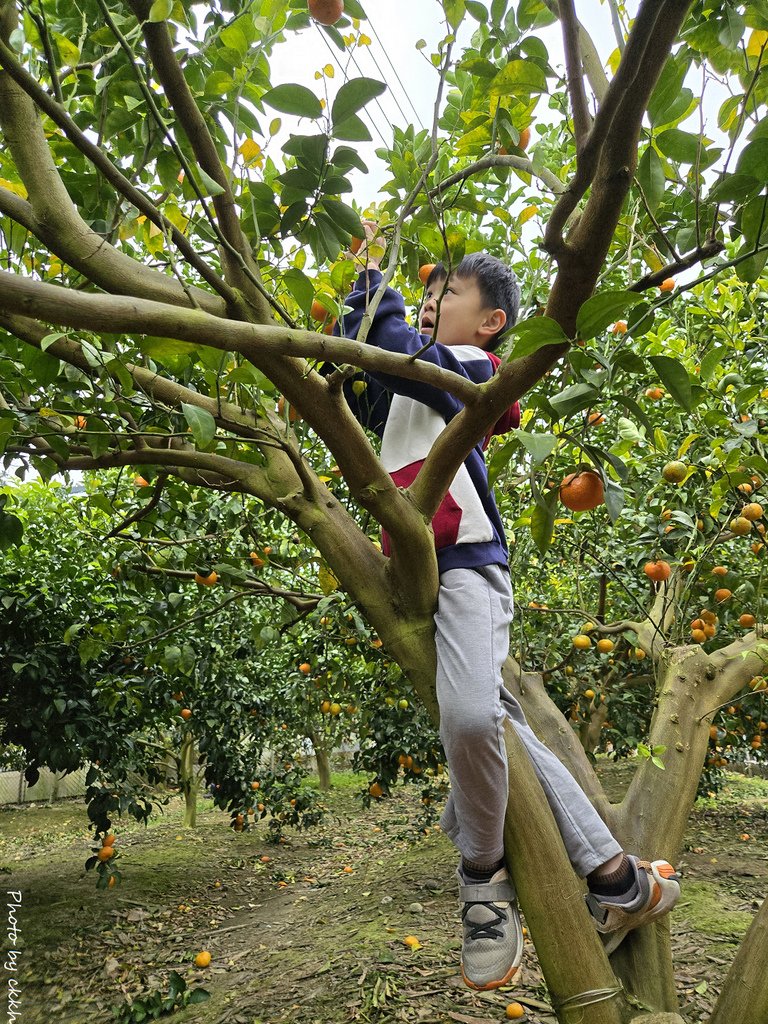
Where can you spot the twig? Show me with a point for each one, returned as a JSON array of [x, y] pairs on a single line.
[[582, 120], [141, 513]]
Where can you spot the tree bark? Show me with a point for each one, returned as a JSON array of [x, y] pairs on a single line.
[[187, 780]]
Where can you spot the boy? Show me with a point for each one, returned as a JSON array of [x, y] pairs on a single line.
[[474, 612]]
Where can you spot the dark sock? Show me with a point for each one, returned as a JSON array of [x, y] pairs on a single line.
[[620, 882], [473, 872]]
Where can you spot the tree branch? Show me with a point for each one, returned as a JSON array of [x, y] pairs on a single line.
[[243, 271], [254, 341], [702, 252], [112, 174], [500, 160], [582, 120], [304, 602]]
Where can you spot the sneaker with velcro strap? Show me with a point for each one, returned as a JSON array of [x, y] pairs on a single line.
[[492, 947], [658, 888]]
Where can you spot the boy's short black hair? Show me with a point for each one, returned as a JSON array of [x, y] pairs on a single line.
[[497, 282]]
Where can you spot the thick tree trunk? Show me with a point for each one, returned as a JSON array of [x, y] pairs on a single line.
[[744, 995], [576, 969], [323, 763], [187, 780]]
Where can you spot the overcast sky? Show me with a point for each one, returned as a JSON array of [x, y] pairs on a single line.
[[394, 29]]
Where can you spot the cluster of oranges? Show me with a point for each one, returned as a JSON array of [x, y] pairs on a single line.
[[705, 626]]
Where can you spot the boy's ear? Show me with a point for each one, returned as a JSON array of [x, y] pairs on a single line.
[[493, 323]]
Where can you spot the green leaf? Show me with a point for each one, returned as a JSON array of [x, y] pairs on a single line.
[[543, 520], [674, 377], [477, 10], [539, 446], [201, 422], [573, 398], [680, 146], [535, 333], [293, 99], [603, 309], [11, 531], [712, 359], [614, 498], [735, 188], [519, 78], [733, 26], [344, 216], [210, 187], [198, 995], [352, 130], [454, 12], [354, 95], [300, 287], [753, 160], [650, 177], [160, 10]]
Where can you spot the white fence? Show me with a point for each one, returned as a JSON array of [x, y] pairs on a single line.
[[50, 786]]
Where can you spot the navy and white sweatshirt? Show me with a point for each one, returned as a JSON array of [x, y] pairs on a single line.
[[409, 416]]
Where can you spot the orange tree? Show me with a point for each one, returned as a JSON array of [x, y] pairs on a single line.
[[157, 299]]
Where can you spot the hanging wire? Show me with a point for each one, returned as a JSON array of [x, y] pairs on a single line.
[[346, 79], [397, 76]]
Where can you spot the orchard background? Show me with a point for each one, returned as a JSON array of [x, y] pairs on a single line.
[[178, 230]]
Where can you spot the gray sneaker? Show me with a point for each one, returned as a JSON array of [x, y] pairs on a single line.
[[493, 936]]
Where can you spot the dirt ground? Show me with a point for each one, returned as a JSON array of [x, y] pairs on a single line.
[[314, 934]]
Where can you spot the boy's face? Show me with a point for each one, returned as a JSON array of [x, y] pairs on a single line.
[[464, 318]]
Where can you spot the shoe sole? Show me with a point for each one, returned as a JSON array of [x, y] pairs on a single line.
[[665, 894], [515, 973]]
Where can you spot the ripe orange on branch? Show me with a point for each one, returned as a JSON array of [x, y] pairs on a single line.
[[746, 620], [525, 137], [206, 581], [752, 511], [654, 393], [105, 853], [674, 472], [740, 526], [667, 285], [582, 491], [326, 12], [425, 271], [658, 570], [722, 595]]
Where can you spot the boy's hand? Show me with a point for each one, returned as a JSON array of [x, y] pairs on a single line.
[[372, 250]]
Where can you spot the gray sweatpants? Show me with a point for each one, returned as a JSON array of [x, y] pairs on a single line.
[[474, 612]]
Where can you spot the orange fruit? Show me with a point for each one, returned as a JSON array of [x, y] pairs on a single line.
[[139, 481], [709, 617], [325, 707], [654, 393], [305, 668], [620, 327], [514, 1011], [745, 488], [581, 491], [589, 694], [355, 245], [746, 620], [581, 642], [375, 790], [698, 636], [326, 12], [112, 881], [722, 595], [525, 138], [318, 312], [674, 472], [256, 560], [667, 285], [719, 570], [713, 732], [105, 853], [752, 511], [605, 646], [80, 422], [203, 958], [709, 631], [740, 526], [186, 714], [595, 419], [697, 624], [658, 570], [206, 581], [255, 784], [293, 415], [424, 271], [108, 840]]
